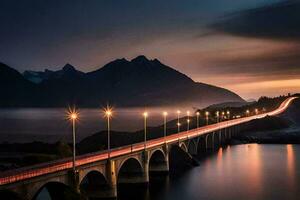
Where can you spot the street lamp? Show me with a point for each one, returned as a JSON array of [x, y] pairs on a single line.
[[145, 114], [108, 115], [178, 123], [217, 115], [188, 119], [206, 115], [222, 117], [197, 114], [73, 116], [228, 114], [256, 111], [247, 112], [165, 114]]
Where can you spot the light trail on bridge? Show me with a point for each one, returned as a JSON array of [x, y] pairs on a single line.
[[64, 164]]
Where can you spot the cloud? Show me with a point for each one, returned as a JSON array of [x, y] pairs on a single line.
[[276, 21]]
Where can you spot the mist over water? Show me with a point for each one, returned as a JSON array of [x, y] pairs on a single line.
[[51, 125]]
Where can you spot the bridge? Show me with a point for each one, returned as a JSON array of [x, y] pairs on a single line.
[[98, 174]]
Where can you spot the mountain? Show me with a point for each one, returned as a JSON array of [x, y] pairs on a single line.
[[14, 88], [67, 72], [139, 82], [229, 104]]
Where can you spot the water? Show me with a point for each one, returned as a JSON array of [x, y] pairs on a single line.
[[50, 125], [237, 172]]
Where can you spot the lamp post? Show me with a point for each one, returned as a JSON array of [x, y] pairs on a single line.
[[228, 114], [73, 116], [206, 115], [178, 125], [198, 115], [145, 114], [165, 114], [247, 113], [222, 117], [178, 122], [217, 115], [256, 111], [188, 120], [188, 124], [108, 114]]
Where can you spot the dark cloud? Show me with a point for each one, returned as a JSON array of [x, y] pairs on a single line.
[[275, 21]]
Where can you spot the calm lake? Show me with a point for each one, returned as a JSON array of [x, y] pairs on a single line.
[[236, 172]]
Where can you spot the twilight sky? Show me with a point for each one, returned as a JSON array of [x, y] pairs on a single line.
[[251, 46]]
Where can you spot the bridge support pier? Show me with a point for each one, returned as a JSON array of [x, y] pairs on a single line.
[[111, 177]]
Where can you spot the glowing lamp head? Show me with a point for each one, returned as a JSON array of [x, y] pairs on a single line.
[[188, 113], [178, 124], [145, 114], [228, 112], [178, 112], [165, 114], [188, 120], [247, 111], [73, 116], [197, 113], [108, 113], [217, 113], [206, 113], [223, 113]]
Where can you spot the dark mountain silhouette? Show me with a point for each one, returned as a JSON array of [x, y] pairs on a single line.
[[139, 82], [67, 72], [14, 88]]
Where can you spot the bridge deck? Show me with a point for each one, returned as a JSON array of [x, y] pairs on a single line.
[[50, 167]]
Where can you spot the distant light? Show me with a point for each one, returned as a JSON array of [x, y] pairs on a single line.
[[188, 113], [223, 113], [217, 113], [197, 113], [165, 113], [178, 124], [178, 112], [206, 113], [228, 112], [188, 120]]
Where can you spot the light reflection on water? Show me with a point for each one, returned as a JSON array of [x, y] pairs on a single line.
[[247, 172]]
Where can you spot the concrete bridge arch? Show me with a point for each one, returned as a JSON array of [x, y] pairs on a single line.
[[209, 140], [158, 161], [30, 189], [132, 170], [192, 147], [54, 190], [183, 146], [95, 184]]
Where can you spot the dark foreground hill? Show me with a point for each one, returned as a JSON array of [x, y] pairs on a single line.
[[139, 82]]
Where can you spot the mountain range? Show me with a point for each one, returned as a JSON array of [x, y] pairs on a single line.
[[139, 82]]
